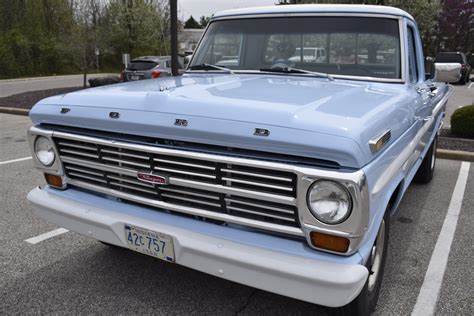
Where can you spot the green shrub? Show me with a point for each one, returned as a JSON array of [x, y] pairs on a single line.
[[462, 122]]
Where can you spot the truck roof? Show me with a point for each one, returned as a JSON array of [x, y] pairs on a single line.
[[314, 8]]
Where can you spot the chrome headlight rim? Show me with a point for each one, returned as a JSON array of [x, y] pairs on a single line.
[[343, 189], [50, 144]]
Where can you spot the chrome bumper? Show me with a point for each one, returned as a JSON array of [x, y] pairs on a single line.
[[279, 265]]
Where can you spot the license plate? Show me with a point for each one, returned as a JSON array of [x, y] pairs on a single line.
[[134, 77], [151, 243]]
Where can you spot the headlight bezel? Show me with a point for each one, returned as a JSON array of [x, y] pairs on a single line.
[[56, 167], [36, 150], [343, 189]]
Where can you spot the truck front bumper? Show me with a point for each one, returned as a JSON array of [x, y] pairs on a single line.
[[276, 264]]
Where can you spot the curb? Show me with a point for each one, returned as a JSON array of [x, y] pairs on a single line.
[[55, 77], [15, 111], [455, 155]]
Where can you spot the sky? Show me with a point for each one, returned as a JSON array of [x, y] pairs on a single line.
[[198, 8]]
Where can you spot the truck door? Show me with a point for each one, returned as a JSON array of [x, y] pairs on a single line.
[[419, 89], [426, 90]]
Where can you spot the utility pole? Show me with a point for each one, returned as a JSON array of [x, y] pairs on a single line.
[[174, 36]]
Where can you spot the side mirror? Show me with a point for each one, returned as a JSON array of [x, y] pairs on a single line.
[[447, 72]]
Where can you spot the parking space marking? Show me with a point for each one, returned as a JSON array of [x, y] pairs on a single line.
[[48, 235], [470, 85], [429, 292], [15, 160]]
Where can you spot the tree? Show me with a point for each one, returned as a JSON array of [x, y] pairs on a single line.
[[191, 23], [204, 21], [456, 25]]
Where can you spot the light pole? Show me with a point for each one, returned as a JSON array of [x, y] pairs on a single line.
[[174, 36]]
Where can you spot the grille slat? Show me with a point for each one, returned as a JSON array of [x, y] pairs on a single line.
[[185, 164], [239, 209], [257, 175], [196, 185], [259, 184], [276, 209], [79, 153]]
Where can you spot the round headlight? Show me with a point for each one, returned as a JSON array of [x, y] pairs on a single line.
[[44, 151], [329, 202]]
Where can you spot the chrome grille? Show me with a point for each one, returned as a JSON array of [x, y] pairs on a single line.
[[225, 190]]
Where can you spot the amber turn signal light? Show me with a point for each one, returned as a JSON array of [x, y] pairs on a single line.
[[52, 180], [329, 242]]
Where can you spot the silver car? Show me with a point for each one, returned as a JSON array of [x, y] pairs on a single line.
[[148, 67]]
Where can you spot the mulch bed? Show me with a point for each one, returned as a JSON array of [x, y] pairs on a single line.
[[26, 100], [446, 140]]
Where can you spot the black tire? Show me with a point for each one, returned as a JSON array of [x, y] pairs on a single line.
[[365, 303], [462, 82], [427, 167]]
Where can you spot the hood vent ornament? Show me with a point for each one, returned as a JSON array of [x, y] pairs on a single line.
[[261, 132], [378, 142]]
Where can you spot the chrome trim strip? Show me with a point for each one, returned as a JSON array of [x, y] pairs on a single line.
[[177, 197], [203, 175], [79, 153], [118, 184], [88, 177], [191, 210], [84, 171], [77, 146], [186, 164], [121, 153], [238, 209], [258, 175], [272, 208], [211, 197], [126, 162], [143, 184], [258, 184]]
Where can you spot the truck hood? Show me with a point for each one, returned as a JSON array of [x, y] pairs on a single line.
[[306, 116]]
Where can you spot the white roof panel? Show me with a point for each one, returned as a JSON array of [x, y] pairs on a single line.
[[314, 8]]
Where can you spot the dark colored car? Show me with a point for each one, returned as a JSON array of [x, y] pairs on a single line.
[[148, 67], [456, 57]]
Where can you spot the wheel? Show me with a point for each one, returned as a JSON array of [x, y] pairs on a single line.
[[365, 303], [427, 167]]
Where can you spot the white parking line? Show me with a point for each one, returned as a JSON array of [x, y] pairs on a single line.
[[51, 234], [470, 85], [428, 296], [15, 160]]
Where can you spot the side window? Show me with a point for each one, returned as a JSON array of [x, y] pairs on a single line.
[[412, 63]]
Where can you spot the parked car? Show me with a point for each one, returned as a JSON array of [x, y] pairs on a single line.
[[310, 55], [456, 57], [284, 179], [147, 67]]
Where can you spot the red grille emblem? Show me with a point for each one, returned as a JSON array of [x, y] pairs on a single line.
[[152, 178]]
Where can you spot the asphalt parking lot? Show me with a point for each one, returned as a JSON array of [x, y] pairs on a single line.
[[72, 274]]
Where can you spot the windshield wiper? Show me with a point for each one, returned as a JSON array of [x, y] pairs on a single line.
[[205, 66], [290, 70]]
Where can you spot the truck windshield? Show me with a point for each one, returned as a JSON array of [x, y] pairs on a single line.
[[349, 46]]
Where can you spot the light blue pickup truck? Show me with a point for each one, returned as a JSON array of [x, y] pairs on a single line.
[[275, 161]]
